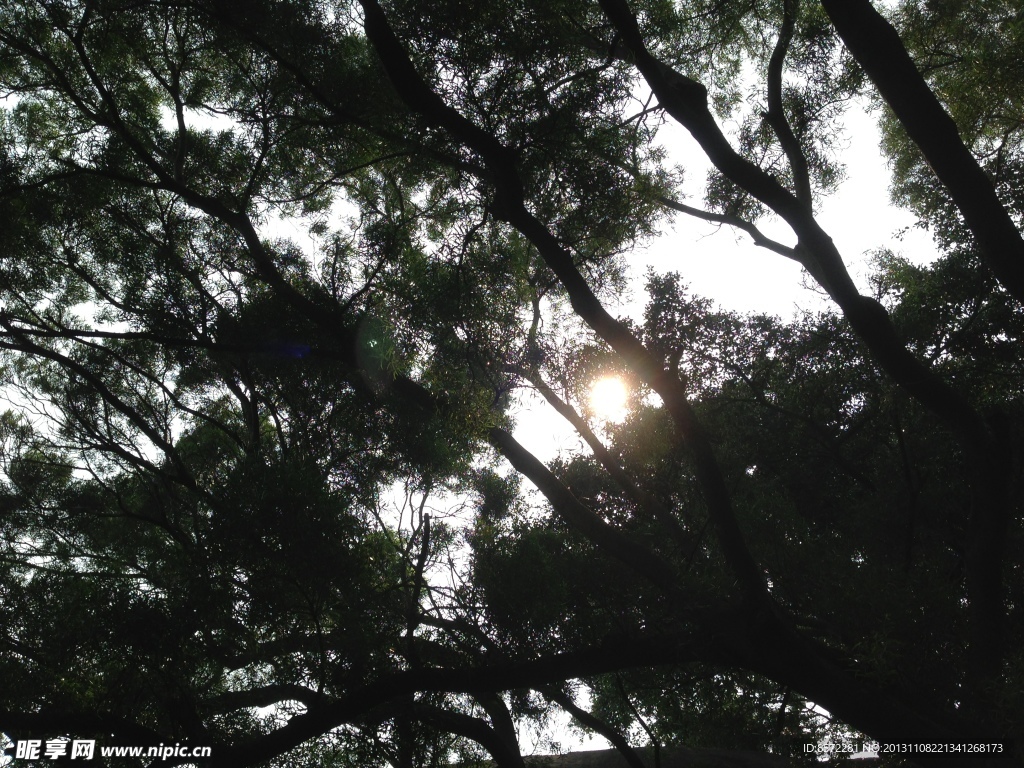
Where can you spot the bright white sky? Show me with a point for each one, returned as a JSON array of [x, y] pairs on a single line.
[[723, 264]]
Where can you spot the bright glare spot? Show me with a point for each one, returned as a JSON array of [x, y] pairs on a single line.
[[608, 398]]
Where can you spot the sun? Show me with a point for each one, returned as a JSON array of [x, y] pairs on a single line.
[[608, 397]]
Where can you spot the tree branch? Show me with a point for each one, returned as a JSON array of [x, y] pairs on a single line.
[[647, 502], [596, 724], [686, 101], [511, 202], [612, 654], [776, 115], [505, 754], [609, 540], [877, 47], [760, 239]]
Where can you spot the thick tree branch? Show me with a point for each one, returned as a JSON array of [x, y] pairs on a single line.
[[612, 654], [596, 724], [686, 101], [511, 201], [611, 541], [877, 47], [505, 754]]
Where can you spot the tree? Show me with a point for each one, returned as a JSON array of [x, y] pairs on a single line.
[[255, 484]]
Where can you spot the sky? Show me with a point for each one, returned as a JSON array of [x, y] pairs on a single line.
[[724, 265]]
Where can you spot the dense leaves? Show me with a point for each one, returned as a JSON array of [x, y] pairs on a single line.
[[275, 275]]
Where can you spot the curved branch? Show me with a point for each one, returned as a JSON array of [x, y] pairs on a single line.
[[616, 544], [596, 724], [511, 203], [505, 754], [760, 239], [705, 643], [776, 115]]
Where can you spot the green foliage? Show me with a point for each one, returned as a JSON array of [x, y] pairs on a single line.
[[969, 54], [264, 305]]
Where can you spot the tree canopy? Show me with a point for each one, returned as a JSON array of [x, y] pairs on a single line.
[[274, 274]]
